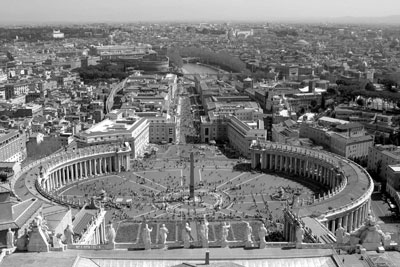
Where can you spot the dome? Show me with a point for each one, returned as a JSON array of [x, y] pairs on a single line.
[[302, 43]]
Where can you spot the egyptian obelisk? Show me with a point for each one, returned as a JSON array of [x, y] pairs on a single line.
[[191, 186]]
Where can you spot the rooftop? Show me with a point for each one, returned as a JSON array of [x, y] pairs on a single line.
[[274, 257], [108, 126]]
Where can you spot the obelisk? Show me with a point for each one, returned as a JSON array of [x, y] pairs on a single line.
[[191, 185]]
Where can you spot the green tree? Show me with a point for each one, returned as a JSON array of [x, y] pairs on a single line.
[[370, 87], [360, 102]]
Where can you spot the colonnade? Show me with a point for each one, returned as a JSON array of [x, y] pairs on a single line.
[[84, 169], [85, 163], [351, 220], [324, 168], [297, 164]]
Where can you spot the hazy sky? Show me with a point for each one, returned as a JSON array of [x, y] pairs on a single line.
[[17, 11]]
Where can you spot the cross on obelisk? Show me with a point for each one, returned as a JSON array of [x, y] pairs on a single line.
[[191, 186]]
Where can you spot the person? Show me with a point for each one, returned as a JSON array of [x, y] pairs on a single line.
[[163, 234], [204, 232], [188, 232], [299, 235], [225, 231], [147, 237], [111, 234], [10, 238], [262, 233], [57, 241], [249, 231]]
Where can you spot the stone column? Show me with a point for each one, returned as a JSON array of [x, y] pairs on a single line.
[[59, 178], [321, 178], [260, 159], [253, 159], [350, 223], [356, 219], [76, 171], [119, 163], [67, 173], [50, 182], [62, 171], [330, 178], [287, 164], [56, 179], [81, 170], [71, 170], [96, 166], [364, 212], [46, 185], [333, 225], [345, 222], [90, 167], [321, 174], [270, 161]]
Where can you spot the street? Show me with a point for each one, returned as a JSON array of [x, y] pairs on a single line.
[[388, 221]]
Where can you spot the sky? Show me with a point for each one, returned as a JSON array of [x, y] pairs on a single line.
[[42, 11]]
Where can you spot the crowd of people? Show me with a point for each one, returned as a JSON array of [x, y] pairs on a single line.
[[145, 192]]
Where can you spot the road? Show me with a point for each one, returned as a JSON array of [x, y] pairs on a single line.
[[387, 221], [110, 98], [178, 120]]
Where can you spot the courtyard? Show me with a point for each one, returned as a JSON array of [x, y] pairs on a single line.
[[156, 191]]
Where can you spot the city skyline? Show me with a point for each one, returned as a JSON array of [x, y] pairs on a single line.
[[74, 11]]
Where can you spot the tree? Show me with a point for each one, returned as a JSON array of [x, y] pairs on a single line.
[[175, 58], [360, 101], [323, 101], [313, 103], [331, 91], [369, 87]]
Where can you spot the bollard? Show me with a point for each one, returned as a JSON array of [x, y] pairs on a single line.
[[207, 258]]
